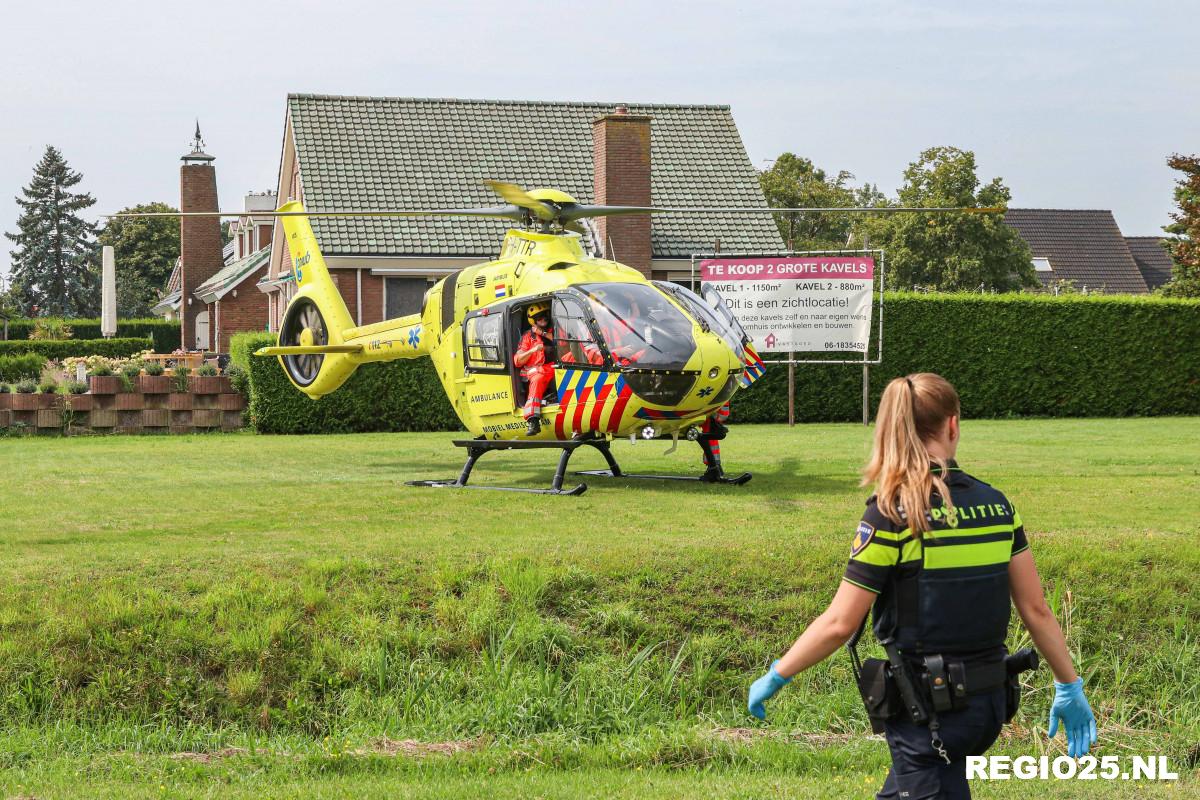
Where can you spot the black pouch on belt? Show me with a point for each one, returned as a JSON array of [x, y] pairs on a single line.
[[879, 692]]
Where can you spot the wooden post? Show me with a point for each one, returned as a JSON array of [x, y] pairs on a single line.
[[866, 394], [791, 390]]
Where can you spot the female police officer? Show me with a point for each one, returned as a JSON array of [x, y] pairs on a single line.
[[938, 553]]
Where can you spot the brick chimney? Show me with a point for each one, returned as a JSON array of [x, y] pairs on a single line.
[[199, 238], [621, 160]]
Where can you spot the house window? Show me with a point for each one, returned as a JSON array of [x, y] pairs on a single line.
[[1042, 265], [403, 296]]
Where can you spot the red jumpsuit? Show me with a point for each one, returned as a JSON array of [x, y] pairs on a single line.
[[539, 369]]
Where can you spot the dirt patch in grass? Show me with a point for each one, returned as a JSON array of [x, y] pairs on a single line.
[[749, 735], [411, 748], [209, 757]]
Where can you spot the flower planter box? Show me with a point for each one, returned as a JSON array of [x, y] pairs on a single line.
[[231, 420], [154, 384], [49, 400], [49, 418], [210, 384], [178, 401], [25, 402], [105, 384], [103, 418], [127, 401], [5, 401], [78, 402], [156, 418], [231, 402], [206, 418], [5, 418]]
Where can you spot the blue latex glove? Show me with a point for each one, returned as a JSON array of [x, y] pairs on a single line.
[[763, 690], [1078, 721]]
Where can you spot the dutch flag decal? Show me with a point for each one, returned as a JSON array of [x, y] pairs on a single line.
[[501, 290]]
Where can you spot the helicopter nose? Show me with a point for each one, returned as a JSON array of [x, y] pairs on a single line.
[[719, 367]]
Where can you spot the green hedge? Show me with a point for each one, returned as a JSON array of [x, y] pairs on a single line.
[[1009, 356], [393, 396], [1013, 355], [18, 367], [166, 335], [58, 349]]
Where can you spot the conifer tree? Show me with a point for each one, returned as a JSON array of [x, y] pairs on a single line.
[[55, 269]]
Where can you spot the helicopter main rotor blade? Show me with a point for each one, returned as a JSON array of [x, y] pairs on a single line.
[[834, 210], [581, 211], [506, 212], [519, 197]]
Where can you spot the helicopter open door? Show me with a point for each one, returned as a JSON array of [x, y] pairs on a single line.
[[488, 361]]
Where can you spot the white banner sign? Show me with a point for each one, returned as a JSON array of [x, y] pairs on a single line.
[[798, 304]]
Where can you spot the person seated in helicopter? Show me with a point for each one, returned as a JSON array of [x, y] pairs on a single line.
[[536, 355], [620, 333]]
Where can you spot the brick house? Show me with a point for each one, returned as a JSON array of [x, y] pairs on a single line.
[[378, 153]]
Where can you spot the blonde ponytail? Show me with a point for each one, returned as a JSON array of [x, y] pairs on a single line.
[[912, 410]]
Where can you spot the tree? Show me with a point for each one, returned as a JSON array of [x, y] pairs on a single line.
[[951, 251], [795, 182], [54, 270], [145, 249], [1184, 245]]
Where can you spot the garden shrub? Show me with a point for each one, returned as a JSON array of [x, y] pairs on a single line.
[[58, 349], [166, 334], [391, 396], [1016, 355], [24, 365]]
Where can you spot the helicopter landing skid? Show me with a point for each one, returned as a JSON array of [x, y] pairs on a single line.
[[736, 480], [477, 447]]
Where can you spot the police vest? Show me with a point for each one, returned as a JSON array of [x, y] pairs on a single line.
[[946, 591]]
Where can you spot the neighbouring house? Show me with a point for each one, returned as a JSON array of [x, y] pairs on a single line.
[[1086, 248], [167, 306], [1152, 259], [379, 153]]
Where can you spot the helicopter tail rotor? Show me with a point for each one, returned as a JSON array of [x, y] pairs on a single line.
[[312, 344]]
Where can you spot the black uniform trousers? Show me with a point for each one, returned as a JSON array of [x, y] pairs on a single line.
[[918, 772]]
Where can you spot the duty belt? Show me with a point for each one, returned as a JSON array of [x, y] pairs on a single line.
[[948, 681]]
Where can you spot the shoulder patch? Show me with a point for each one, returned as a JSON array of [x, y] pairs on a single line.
[[862, 538]]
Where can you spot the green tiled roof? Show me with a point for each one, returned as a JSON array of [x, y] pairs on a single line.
[[391, 152], [232, 274]]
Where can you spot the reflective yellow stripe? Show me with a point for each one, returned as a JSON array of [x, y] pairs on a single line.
[[968, 555], [878, 554], [950, 534], [911, 551], [1017, 519], [895, 537]]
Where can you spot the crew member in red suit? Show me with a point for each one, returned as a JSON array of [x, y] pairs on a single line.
[[711, 433], [536, 356]]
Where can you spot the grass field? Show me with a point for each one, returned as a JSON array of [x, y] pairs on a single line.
[[238, 615]]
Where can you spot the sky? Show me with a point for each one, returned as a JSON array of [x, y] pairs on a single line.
[[1074, 105]]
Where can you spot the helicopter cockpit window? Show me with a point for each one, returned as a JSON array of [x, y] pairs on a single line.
[[574, 339], [717, 303], [704, 314], [483, 337], [640, 326]]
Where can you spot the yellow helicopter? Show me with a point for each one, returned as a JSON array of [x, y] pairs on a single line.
[[620, 355], [631, 357]]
